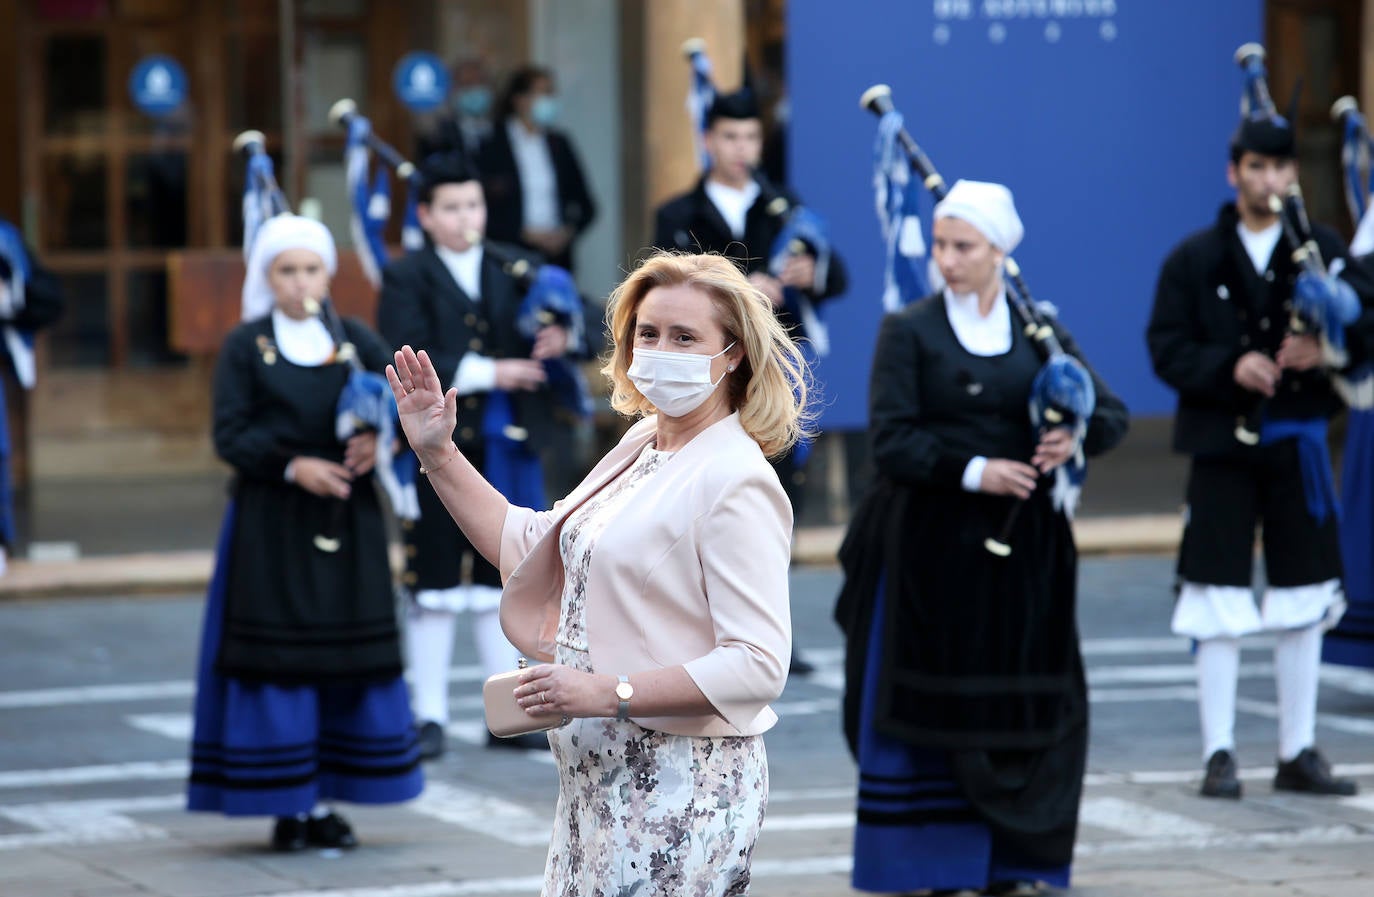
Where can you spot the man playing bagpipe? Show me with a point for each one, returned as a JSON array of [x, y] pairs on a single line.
[[1245, 329], [464, 302], [30, 299], [736, 211]]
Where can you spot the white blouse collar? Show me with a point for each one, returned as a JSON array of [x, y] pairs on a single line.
[[306, 342], [979, 334]]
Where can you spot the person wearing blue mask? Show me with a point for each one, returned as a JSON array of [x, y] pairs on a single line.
[[536, 191], [467, 124]]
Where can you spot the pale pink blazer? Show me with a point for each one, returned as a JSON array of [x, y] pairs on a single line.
[[692, 571]]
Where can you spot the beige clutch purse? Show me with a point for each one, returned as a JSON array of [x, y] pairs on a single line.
[[505, 718]]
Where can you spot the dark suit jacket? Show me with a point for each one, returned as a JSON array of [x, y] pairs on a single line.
[[692, 223], [505, 199], [422, 306], [1211, 307]]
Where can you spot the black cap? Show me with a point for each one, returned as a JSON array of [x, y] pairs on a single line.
[[739, 105], [1269, 136]]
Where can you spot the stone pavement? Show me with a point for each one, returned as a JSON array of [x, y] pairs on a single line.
[[95, 716]]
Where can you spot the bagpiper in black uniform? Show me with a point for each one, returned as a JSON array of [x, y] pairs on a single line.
[[1218, 336], [458, 302], [736, 211]]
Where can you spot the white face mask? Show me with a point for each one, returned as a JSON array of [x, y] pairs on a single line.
[[676, 382]]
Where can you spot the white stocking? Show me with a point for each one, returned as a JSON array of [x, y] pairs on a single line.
[[1297, 658], [1218, 671], [495, 653], [429, 651]]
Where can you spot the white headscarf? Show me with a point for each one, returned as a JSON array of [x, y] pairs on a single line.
[[988, 207], [276, 236]]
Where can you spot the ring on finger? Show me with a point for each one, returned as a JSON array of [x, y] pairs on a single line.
[[543, 697]]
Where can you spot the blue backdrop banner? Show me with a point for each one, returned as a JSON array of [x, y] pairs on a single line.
[[1108, 119]]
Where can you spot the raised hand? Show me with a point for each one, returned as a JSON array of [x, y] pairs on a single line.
[[428, 413]]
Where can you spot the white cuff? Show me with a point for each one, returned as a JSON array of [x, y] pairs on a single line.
[[476, 373], [290, 473], [973, 474]]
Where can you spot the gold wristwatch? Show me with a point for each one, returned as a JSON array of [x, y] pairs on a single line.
[[624, 691]]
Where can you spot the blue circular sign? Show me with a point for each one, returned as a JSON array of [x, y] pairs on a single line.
[[158, 85], [421, 81]]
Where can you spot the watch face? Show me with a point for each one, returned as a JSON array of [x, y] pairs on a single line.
[[624, 691]]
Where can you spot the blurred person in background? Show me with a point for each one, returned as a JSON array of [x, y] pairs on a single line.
[[30, 299], [456, 299], [299, 696], [466, 125], [536, 191]]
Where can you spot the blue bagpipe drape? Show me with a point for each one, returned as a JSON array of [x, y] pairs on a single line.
[[18, 345], [366, 401], [1352, 641], [899, 200], [512, 464]]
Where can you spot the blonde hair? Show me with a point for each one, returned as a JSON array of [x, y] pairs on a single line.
[[769, 386]]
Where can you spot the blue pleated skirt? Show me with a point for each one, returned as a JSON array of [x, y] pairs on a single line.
[[915, 829], [260, 749]]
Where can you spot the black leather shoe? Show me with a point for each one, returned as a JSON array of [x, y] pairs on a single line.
[[530, 741], [1220, 779], [289, 834], [430, 738], [1309, 773], [331, 831], [799, 666]]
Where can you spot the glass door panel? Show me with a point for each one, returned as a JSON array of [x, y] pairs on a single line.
[[148, 325], [75, 202], [155, 200], [81, 339], [74, 96]]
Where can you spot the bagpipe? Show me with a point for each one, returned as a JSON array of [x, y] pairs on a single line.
[[262, 195], [509, 461], [365, 403], [801, 230], [700, 95], [18, 341], [1062, 393], [551, 297], [1322, 303], [369, 202], [551, 300], [1357, 152]]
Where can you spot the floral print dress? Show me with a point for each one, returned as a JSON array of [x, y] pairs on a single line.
[[641, 812]]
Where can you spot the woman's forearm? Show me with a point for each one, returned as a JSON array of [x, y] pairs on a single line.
[[472, 502]]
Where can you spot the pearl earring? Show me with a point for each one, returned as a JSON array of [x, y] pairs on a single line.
[[729, 368]]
